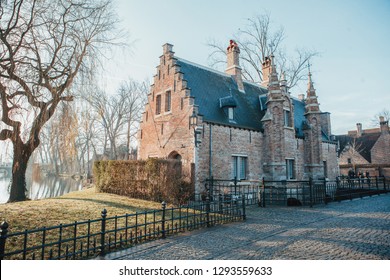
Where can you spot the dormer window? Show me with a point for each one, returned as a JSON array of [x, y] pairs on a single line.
[[231, 113], [228, 104]]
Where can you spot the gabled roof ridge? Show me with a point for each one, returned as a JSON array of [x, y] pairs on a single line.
[[255, 84], [216, 71], [202, 67]]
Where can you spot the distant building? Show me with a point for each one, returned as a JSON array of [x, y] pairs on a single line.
[[365, 150], [219, 125]]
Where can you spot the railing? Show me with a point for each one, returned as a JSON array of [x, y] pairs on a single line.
[[86, 239], [294, 193]]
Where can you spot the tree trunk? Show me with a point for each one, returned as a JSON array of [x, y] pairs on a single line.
[[22, 154]]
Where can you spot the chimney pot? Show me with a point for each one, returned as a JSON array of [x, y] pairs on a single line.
[[233, 64], [384, 125], [359, 130]]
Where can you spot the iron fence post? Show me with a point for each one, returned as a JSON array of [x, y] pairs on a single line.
[[235, 185], [3, 238], [351, 188], [325, 198], [208, 210], [243, 208], [220, 205], [211, 188], [262, 193], [164, 206], [311, 191], [103, 232]]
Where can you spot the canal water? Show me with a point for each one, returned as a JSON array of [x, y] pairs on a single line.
[[44, 187]]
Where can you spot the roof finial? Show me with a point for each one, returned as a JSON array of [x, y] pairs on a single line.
[[270, 46], [283, 81], [308, 66], [312, 105], [310, 82]]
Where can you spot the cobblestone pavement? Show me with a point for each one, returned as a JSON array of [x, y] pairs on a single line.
[[358, 229]]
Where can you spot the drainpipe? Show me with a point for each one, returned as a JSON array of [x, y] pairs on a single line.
[[210, 152]]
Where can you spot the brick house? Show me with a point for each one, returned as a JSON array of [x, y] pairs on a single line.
[[243, 129], [365, 150]]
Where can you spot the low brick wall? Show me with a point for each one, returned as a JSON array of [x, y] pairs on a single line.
[[152, 179]]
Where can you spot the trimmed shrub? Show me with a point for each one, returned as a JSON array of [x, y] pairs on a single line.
[[152, 179]]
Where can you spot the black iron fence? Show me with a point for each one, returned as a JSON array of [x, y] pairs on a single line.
[[294, 193], [86, 239]]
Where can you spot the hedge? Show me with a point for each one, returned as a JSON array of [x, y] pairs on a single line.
[[152, 179]]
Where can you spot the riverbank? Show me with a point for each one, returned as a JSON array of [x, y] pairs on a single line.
[[75, 206]]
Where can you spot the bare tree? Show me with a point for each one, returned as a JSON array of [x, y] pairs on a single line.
[[119, 114], [258, 40], [353, 153], [136, 95], [89, 136], [385, 113], [45, 46]]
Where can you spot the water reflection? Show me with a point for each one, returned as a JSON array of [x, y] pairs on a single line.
[[45, 187]]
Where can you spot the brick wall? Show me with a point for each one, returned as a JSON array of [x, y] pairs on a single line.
[[226, 143], [168, 134], [329, 155], [380, 153], [352, 155]]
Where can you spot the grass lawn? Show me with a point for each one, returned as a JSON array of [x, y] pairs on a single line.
[[81, 206], [76, 206]]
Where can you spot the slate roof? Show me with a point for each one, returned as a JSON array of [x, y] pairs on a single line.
[[209, 87], [214, 90], [362, 144]]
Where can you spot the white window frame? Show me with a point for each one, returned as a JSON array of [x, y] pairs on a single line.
[[239, 167], [287, 118], [231, 113], [290, 169]]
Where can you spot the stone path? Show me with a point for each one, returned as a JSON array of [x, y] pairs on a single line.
[[358, 229]]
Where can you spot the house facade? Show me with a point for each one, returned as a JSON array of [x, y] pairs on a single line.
[[224, 127], [365, 150]]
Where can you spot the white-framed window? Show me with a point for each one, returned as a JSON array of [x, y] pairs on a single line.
[[290, 169], [287, 118], [239, 167], [231, 113]]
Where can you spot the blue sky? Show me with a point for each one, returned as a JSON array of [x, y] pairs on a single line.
[[351, 74]]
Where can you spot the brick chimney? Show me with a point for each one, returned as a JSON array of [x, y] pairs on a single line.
[[266, 69], [384, 125], [359, 130], [233, 64]]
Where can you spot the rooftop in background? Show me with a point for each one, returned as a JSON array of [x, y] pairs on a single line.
[[363, 140]]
